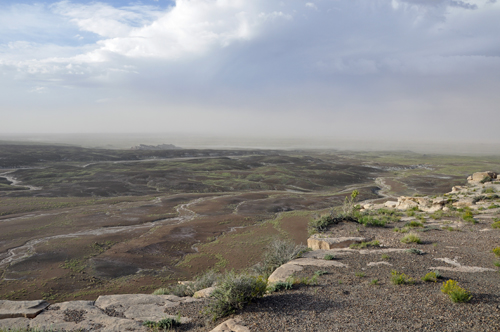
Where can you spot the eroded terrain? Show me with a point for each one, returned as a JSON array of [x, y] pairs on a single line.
[[77, 223]]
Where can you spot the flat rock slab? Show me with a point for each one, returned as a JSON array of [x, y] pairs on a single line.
[[378, 264], [320, 254], [19, 323], [381, 251], [231, 325], [316, 242], [141, 307], [82, 316], [460, 268], [28, 309], [316, 262], [283, 272]]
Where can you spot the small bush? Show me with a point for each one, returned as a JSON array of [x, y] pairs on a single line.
[[496, 251], [401, 230], [493, 206], [279, 286], [374, 282], [486, 179], [360, 274], [437, 215], [410, 213], [329, 257], [456, 293], [468, 217], [401, 278], [496, 224], [362, 245], [411, 238], [430, 277], [413, 224], [371, 221], [164, 324], [497, 264], [385, 257], [278, 253], [321, 224], [233, 292]]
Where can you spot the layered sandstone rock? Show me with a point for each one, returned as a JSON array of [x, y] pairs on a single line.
[[317, 242]]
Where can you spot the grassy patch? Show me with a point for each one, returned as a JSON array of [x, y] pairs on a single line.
[[413, 224], [329, 257], [431, 276], [360, 274], [164, 324], [496, 251], [279, 286]]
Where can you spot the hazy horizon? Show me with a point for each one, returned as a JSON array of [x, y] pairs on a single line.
[[188, 141], [401, 72]]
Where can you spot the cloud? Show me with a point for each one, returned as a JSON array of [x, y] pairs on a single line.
[[346, 60]]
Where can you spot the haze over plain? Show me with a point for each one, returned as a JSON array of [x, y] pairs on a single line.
[[411, 70]]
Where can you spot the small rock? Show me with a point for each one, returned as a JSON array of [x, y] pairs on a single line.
[[232, 325]]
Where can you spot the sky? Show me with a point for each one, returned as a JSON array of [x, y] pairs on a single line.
[[395, 70]]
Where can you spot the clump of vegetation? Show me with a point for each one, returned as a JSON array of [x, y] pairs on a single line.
[[278, 253], [414, 251], [362, 245], [233, 292], [374, 282], [468, 216], [401, 230], [371, 221], [164, 324], [451, 229], [329, 257], [431, 276], [413, 224], [411, 238], [385, 257], [321, 224], [493, 206], [319, 273], [486, 179], [456, 293], [488, 190], [279, 286], [437, 215], [360, 274], [401, 278], [496, 223], [188, 289], [496, 251]]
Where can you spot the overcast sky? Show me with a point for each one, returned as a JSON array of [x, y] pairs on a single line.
[[391, 69]]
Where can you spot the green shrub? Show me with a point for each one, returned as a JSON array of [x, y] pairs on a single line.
[[401, 230], [411, 238], [374, 282], [360, 274], [468, 216], [164, 324], [437, 215], [497, 264], [233, 292], [278, 253], [493, 206], [371, 221], [496, 251], [430, 277], [413, 223], [279, 286], [496, 224], [385, 257], [329, 257], [321, 224], [486, 179], [362, 245], [456, 293], [401, 278], [488, 191]]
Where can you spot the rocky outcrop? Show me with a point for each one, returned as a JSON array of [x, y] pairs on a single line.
[[425, 204], [480, 176], [287, 270], [318, 242]]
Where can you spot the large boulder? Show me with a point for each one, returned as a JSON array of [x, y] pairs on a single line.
[[319, 242], [425, 204]]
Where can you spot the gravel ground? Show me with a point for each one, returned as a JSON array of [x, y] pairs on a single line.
[[345, 299]]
